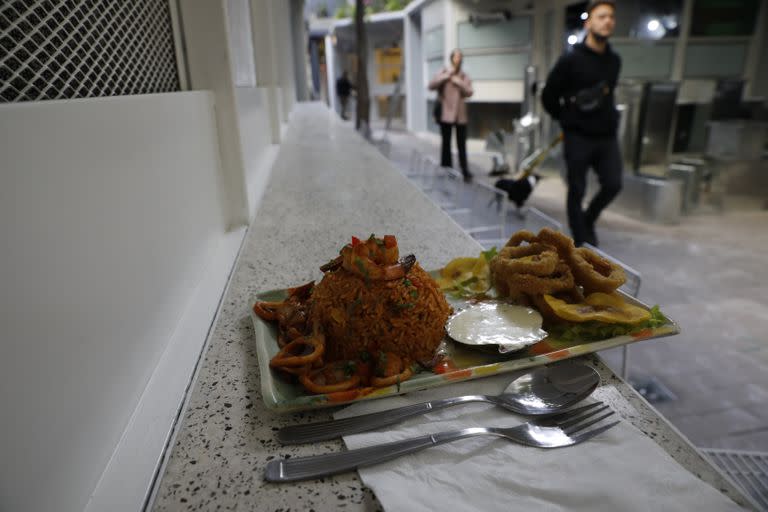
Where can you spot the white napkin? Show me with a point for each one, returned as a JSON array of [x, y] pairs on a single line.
[[622, 469]]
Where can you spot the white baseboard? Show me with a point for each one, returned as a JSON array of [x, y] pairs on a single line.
[[128, 477]]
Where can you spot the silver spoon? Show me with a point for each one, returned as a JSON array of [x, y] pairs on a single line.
[[542, 391]]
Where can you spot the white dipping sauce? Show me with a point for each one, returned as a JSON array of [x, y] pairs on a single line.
[[496, 323]]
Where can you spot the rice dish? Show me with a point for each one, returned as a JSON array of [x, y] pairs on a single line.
[[362, 318]]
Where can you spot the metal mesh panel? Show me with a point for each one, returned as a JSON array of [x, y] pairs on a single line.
[[747, 469], [54, 49]]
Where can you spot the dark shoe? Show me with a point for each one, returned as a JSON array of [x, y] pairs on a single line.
[[590, 237]]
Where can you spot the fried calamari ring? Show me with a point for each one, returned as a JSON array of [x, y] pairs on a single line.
[[390, 369], [520, 237], [595, 273], [267, 311], [331, 378], [560, 241], [381, 382], [295, 370], [294, 353], [529, 284], [537, 259], [503, 291]]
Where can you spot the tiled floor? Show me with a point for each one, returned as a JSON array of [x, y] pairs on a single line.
[[709, 274]]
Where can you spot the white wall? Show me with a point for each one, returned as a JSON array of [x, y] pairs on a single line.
[[433, 15], [265, 36], [121, 219], [281, 12], [209, 61], [415, 88], [332, 70], [252, 103], [300, 57], [485, 90], [111, 216]]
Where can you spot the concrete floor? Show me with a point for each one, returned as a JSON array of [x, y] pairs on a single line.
[[709, 274]]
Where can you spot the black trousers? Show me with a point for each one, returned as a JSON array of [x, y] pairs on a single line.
[[461, 141], [344, 102], [601, 154]]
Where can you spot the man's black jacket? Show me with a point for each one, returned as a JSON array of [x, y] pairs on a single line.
[[583, 68]]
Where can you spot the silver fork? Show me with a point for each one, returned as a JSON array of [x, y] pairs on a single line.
[[565, 429]]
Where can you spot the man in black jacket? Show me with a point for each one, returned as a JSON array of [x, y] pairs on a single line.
[[343, 90], [579, 94]]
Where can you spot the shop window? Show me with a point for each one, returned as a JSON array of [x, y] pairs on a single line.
[[724, 17], [515, 32], [499, 66], [706, 60], [434, 42], [389, 63], [641, 60]]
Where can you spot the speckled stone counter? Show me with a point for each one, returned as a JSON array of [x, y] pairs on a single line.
[[327, 184]]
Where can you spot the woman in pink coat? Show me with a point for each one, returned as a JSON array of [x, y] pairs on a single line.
[[454, 87]]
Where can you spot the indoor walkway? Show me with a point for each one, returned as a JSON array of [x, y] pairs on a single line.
[[707, 273]]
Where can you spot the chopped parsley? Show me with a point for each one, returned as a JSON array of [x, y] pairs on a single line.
[[363, 270], [381, 365], [350, 368], [490, 253]]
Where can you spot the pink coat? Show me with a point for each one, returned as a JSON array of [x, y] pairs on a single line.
[[456, 89]]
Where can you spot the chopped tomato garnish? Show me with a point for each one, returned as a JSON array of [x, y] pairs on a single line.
[[444, 366], [459, 374], [540, 348], [355, 241], [644, 333], [343, 396]]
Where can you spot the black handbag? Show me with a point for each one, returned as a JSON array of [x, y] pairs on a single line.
[[591, 98], [437, 111]]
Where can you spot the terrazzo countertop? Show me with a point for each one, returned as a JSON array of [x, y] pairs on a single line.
[[327, 184]]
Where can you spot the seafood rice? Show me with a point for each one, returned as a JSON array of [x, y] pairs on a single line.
[[363, 317]]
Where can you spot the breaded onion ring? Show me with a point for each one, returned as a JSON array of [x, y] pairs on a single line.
[[290, 355], [530, 284], [561, 242], [520, 237], [595, 273], [537, 259]]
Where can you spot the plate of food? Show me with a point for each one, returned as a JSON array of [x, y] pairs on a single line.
[[376, 324]]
